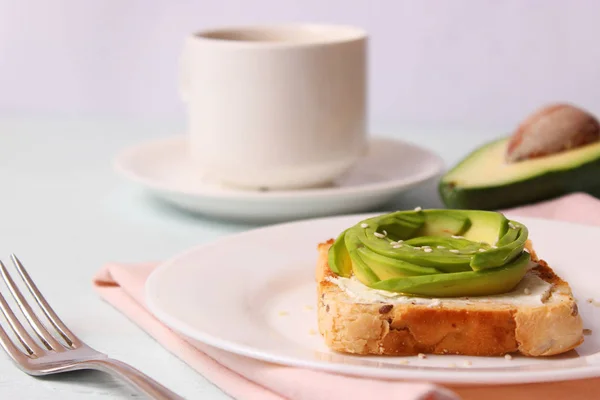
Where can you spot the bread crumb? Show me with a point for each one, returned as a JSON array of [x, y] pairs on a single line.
[[508, 356], [312, 332], [587, 332], [308, 308], [593, 302], [403, 362], [422, 356], [283, 313], [467, 363]]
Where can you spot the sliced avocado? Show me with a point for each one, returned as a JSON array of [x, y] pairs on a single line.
[[440, 228], [487, 227], [484, 181], [386, 268], [509, 246], [444, 223], [398, 225], [410, 251], [472, 283], [442, 260], [338, 258], [361, 270]]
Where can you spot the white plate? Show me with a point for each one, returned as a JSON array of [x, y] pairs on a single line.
[[389, 168], [230, 294]]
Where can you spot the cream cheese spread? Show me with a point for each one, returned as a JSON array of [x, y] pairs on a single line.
[[531, 291]]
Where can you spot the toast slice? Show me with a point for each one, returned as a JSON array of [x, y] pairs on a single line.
[[351, 322]]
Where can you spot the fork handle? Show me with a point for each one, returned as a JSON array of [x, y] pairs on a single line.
[[134, 377]]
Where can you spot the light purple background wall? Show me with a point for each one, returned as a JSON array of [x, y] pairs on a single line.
[[476, 62]]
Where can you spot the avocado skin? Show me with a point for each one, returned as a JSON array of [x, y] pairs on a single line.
[[545, 186]]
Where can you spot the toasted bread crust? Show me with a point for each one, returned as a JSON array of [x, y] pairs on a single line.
[[473, 329]]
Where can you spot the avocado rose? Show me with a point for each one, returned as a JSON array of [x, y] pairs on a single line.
[[434, 253]]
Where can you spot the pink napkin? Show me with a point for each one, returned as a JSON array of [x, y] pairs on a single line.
[[244, 378]]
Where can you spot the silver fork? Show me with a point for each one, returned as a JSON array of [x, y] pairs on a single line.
[[54, 357]]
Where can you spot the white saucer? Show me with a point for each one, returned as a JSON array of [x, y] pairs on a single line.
[[390, 167]]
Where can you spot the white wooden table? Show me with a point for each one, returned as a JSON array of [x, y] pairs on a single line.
[[65, 213]]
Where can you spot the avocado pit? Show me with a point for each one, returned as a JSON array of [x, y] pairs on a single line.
[[551, 130]]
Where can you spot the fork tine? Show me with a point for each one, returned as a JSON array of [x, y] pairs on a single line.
[[62, 329], [26, 340], [47, 339], [10, 347]]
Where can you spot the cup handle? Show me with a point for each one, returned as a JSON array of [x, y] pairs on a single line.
[[184, 72]]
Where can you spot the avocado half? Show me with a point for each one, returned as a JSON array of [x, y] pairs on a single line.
[[485, 181]]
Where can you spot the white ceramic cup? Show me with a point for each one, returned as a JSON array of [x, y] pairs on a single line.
[[278, 107]]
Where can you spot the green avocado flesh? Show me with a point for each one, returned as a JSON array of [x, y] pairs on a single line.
[[437, 253], [471, 283], [484, 181]]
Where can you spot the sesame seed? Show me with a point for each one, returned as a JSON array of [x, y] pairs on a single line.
[[482, 250], [312, 332], [379, 235], [418, 209], [403, 362], [454, 251], [511, 225], [392, 243], [441, 247], [494, 246], [527, 291], [467, 363], [400, 241], [587, 332], [422, 356], [417, 247], [364, 225], [428, 250], [397, 246], [508, 356], [283, 313], [457, 237]]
